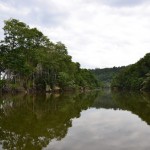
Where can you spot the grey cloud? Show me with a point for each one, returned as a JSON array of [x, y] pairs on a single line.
[[39, 13], [124, 2], [120, 3], [47, 18], [107, 35]]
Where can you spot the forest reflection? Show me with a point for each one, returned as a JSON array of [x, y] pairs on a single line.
[[33, 121]]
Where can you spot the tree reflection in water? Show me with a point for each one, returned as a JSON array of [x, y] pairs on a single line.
[[33, 121]]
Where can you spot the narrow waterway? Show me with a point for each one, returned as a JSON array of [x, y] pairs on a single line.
[[91, 121]]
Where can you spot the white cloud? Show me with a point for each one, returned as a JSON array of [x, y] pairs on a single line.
[[97, 34]]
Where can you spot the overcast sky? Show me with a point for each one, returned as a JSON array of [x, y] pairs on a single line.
[[97, 33]]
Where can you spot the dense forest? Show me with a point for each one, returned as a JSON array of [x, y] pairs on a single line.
[[29, 61], [134, 77], [105, 76]]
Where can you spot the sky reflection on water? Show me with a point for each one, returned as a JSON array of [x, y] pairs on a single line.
[[105, 129], [75, 121]]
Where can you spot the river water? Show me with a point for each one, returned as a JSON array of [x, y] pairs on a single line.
[[97, 120]]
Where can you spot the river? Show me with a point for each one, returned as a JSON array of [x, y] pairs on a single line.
[[97, 120]]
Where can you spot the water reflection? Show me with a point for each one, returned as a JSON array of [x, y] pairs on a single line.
[[105, 130], [31, 122], [75, 121], [137, 103]]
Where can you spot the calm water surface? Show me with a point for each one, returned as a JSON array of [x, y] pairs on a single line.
[[91, 121]]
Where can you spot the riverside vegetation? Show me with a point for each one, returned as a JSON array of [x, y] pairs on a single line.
[[134, 77], [105, 75], [29, 61]]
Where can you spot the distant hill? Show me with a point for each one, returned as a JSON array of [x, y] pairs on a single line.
[[105, 76], [134, 77]]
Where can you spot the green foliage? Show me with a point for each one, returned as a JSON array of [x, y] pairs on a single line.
[[105, 76], [27, 56], [134, 77], [65, 80], [146, 83], [2, 83]]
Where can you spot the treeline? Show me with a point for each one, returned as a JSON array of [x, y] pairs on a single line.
[[134, 77], [105, 76], [30, 61]]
